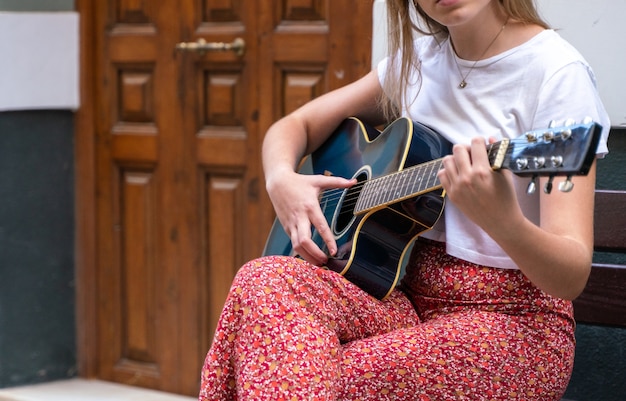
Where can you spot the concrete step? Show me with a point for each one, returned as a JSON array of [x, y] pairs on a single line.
[[86, 390]]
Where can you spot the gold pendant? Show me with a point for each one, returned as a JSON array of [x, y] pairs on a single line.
[[463, 84]]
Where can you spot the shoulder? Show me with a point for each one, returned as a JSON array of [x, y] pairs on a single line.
[[566, 84], [551, 53]]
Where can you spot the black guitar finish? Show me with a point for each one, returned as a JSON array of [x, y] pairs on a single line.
[[371, 246]]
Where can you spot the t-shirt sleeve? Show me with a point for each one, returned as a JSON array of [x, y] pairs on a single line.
[[571, 93]]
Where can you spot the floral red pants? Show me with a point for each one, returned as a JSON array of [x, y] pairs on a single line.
[[455, 331]]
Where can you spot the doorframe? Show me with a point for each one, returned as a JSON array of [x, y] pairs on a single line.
[[85, 196]]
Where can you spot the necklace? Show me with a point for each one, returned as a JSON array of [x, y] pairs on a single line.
[[463, 83]]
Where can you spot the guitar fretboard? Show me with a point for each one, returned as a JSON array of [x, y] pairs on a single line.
[[398, 186], [412, 181]]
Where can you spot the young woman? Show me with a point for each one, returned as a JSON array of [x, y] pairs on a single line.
[[484, 311]]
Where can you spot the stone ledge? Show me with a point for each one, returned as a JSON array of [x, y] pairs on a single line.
[[86, 390]]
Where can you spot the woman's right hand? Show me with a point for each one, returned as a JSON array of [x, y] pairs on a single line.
[[295, 198]]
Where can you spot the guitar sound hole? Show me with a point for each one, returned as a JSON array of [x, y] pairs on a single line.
[[345, 215]]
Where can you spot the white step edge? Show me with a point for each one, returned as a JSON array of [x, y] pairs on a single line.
[[79, 389]]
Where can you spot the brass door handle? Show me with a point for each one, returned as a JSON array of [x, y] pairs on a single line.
[[201, 46]]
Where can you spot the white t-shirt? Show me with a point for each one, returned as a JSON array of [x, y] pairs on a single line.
[[522, 89]]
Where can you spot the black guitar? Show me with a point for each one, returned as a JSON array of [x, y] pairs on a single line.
[[398, 195]]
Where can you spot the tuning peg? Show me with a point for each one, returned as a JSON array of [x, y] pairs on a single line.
[[521, 163], [556, 161], [548, 187], [532, 186], [569, 122], [567, 185], [587, 120], [548, 136], [539, 162], [565, 134]]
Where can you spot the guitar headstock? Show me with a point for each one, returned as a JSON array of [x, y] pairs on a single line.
[[566, 150]]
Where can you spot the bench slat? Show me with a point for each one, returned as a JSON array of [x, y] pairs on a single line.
[[610, 221], [603, 300]]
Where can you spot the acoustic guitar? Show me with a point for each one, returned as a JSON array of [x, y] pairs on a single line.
[[398, 195]]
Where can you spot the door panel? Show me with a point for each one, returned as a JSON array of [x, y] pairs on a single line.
[[136, 286], [179, 201], [223, 137]]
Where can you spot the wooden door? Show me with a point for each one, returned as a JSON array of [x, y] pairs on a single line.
[[178, 201]]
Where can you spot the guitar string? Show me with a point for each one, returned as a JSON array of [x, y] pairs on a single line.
[[354, 192], [351, 199]]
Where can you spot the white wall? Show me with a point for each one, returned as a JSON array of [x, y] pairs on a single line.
[[597, 28], [39, 68], [379, 32]]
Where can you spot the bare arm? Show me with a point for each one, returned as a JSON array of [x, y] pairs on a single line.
[[556, 255], [294, 196]]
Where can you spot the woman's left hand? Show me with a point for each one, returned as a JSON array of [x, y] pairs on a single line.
[[485, 196]]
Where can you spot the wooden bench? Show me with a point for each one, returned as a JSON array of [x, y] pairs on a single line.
[[603, 301], [600, 310]]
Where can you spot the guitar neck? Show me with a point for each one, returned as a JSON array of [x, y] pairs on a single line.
[[398, 186], [412, 181], [561, 151]]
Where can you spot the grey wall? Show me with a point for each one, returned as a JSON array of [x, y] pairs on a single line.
[[36, 5], [37, 328], [37, 320]]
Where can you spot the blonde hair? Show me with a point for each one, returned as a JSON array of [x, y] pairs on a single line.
[[402, 31]]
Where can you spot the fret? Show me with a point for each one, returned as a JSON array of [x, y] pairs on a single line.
[[405, 180], [419, 172], [435, 166], [424, 177], [368, 195], [414, 178], [429, 169], [398, 185], [397, 190], [380, 190], [365, 196], [389, 186]]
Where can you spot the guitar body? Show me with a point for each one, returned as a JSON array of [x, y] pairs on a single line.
[[371, 245]]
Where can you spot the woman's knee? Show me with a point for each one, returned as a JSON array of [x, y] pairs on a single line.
[[269, 270]]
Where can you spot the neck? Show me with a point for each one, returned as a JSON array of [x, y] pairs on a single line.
[[471, 43]]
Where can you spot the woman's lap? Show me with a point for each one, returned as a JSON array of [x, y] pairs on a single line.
[[473, 355], [291, 330]]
